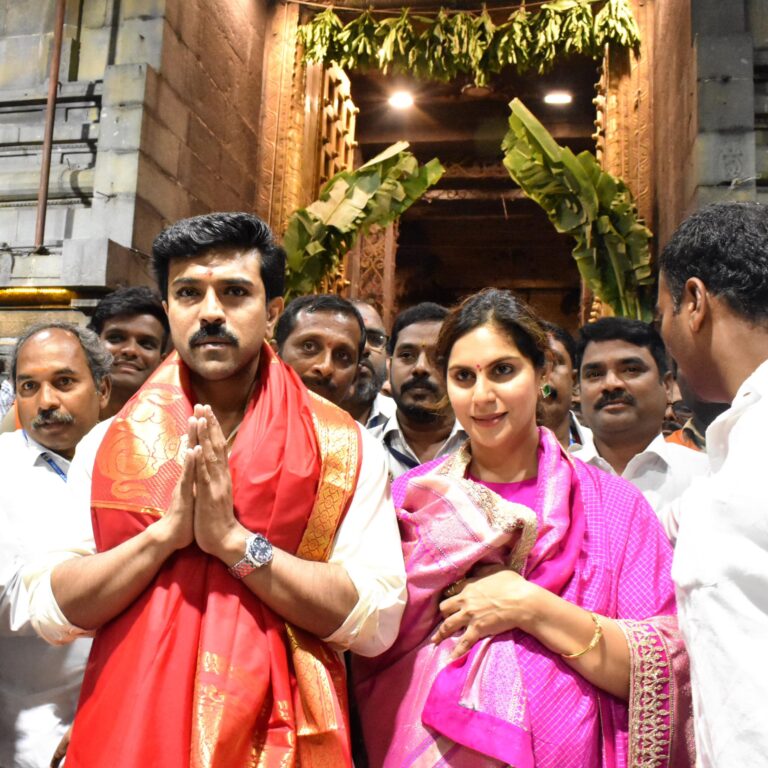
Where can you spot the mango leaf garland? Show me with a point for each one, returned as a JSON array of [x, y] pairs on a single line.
[[614, 23], [451, 43], [378, 192], [320, 38], [357, 43], [612, 249]]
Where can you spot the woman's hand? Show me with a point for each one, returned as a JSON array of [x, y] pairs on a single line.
[[488, 605]]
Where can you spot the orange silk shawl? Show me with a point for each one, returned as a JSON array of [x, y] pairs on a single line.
[[198, 671]]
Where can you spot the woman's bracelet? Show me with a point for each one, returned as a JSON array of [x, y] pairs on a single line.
[[592, 643]]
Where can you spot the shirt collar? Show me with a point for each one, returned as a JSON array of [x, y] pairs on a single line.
[[588, 452], [750, 392], [37, 451], [382, 409], [393, 426]]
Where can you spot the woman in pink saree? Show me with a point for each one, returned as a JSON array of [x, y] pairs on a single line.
[[540, 630]]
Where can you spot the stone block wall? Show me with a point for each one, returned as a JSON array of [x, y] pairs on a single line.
[[200, 130], [157, 118], [711, 106]]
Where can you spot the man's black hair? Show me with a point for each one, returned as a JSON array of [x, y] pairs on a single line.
[[192, 237], [128, 302], [623, 329], [311, 304], [561, 335], [726, 246], [426, 312]]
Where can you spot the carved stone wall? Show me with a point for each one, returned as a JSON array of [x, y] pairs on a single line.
[[371, 270], [291, 96], [625, 113]]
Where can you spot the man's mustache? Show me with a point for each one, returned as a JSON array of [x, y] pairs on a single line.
[[213, 332], [327, 384], [612, 398], [427, 384], [46, 418]]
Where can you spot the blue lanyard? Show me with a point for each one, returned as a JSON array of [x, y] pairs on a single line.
[[54, 466], [50, 462]]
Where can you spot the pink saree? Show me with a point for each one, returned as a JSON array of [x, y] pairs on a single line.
[[592, 539]]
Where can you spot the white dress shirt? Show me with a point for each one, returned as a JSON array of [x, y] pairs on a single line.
[[401, 456], [720, 570], [382, 409], [39, 685], [662, 472], [367, 545]]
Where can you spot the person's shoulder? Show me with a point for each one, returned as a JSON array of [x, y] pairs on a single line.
[[605, 484], [370, 445], [91, 441], [12, 440], [14, 449], [679, 458]]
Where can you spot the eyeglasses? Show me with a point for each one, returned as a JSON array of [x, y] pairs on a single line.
[[376, 339], [681, 411]]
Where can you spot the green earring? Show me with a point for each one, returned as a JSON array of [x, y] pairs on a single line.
[[546, 391]]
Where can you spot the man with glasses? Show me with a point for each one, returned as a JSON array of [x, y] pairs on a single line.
[[367, 404]]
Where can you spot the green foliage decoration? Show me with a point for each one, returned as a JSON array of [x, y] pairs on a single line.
[[350, 203], [451, 43], [612, 248]]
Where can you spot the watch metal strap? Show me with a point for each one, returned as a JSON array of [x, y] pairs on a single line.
[[242, 568]]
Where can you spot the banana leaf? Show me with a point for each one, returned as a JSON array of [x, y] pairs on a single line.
[[612, 249], [318, 236]]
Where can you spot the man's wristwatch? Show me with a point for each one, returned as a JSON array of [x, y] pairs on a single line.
[[258, 552]]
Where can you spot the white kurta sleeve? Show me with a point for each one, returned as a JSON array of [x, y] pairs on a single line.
[[368, 547], [77, 541], [14, 602]]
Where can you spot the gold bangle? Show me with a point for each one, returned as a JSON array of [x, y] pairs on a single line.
[[592, 643]]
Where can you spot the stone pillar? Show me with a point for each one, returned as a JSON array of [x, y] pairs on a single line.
[[291, 105], [725, 139], [371, 270], [625, 98]]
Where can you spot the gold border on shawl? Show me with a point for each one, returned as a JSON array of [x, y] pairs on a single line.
[[320, 677], [650, 703], [124, 507]]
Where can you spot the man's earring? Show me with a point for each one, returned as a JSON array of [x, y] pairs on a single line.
[[546, 391]]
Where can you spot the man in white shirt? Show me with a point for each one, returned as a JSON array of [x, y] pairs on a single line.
[[367, 404], [713, 307], [214, 639], [61, 377], [624, 383], [423, 426]]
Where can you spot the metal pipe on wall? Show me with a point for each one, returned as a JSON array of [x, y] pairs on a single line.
[[50, 117]]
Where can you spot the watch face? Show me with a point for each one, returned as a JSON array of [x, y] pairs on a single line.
[[259, 550]]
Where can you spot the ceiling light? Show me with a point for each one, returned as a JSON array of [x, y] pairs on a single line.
[[401, 100], [558, 97]]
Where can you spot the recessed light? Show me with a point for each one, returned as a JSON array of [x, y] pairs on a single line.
[[558, 97], [401, 100]]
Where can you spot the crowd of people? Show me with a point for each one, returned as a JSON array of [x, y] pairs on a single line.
[[238, 533]]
